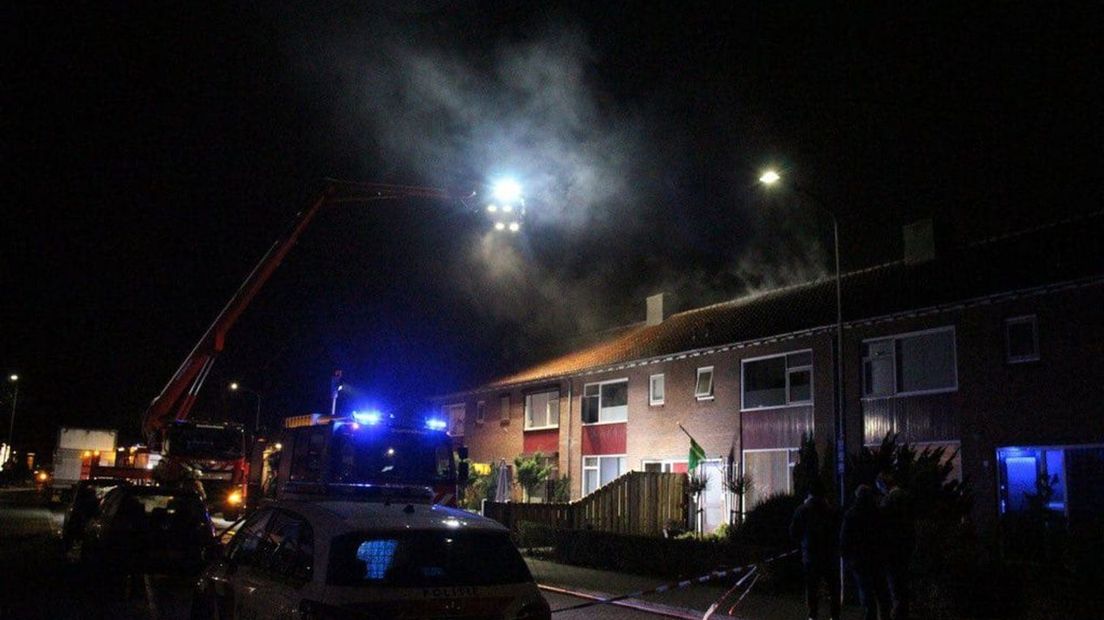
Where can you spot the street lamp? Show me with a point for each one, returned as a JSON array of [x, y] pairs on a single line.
[[236, 387], [14, 380], [771, 178]]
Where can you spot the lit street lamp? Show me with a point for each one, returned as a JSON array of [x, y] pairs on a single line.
[[14, 380], [236, 387], [770, 178]]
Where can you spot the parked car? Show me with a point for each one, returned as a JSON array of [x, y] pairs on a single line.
[[83, 505], [149, 530], [348, 559]]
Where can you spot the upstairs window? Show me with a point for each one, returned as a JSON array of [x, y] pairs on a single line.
[[456, 415], [703, 388], [917, 363], [1021, 336], [480, 412], [778, 381], [656, 390], [606, 402], [542, 410], [504, 408]]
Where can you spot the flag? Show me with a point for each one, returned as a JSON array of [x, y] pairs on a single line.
[[696, 454]]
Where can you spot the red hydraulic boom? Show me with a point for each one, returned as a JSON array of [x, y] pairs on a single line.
[[176, 399]]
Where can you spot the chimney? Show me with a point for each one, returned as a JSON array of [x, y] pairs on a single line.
[[659, 308], [919, 242]]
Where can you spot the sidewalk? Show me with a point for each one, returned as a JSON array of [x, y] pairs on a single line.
[[687, 602]]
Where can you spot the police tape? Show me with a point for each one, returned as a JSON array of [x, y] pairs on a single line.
[[739, 583], [679, 585]]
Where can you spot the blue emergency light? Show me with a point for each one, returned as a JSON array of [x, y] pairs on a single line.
[[436, 424], [368, 417]]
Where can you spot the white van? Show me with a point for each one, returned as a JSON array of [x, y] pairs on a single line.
[[349, 559]]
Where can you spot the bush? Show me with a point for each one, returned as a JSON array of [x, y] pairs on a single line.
[[643, 555], [956, 575], [768, 523], [533, 534], [479, 488]]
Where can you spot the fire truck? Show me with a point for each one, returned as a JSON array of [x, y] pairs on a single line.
[[215, 453], [362, 456]]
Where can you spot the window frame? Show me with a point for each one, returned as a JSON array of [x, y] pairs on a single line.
[[712, 381], [624, 380], [584, 467], [462, 407], [1030, 319], [546, 425], [896, 393], [504, 404], [652, 400], [801, 403], [480, 412], [666, 465]]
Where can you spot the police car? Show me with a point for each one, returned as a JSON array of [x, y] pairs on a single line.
[[378, 559]]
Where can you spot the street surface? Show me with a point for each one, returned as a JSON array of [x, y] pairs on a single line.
[[38, 581]]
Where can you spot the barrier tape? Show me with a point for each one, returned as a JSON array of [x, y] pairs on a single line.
[[738, 584], [679, 585]]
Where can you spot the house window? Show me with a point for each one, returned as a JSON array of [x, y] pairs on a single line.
[[778, 381], [480, 412], [916, 363], [1022, 339], [703, 389], [656, 389], [504, 408], [542, 410], [770, 473], [456, 415], [599, 471], [667, 466], [606, 402]]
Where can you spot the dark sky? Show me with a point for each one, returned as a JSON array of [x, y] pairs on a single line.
[[152, 151]]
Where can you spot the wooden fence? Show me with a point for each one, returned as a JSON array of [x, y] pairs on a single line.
[[636, 503]]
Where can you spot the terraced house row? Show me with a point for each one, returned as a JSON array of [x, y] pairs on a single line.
[[994, 348]]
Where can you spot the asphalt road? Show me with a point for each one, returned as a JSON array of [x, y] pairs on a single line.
[[39, 581]]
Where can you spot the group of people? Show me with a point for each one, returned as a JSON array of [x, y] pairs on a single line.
[[875, 539]]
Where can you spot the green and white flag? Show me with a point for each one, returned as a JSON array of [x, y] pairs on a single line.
[[697, 454]]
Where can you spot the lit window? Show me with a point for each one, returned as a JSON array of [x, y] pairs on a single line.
[[703, 389], [456, 414], [778, 381], [914, 363], [656, 389], [606, 402], [1022, 339], [599, 471], [542, 410]]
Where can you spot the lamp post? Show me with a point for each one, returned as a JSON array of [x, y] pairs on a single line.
[[236, 387], [14, 380], [771, 178]]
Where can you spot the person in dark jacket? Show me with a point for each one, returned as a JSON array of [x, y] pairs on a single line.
[[815, 527], [863, 548], [900, 528]]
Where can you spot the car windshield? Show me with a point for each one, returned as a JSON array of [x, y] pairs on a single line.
[[371, 455], [161, 510], [425, 559], [205, 442]]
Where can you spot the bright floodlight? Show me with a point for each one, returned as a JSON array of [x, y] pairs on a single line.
[[13, 378], [514, 227], [507, 191], [770, 177], [500, 226], [234, 386], [491, 208]]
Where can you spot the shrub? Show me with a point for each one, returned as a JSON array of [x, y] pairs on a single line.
[[561, 490], [479, 488], [533, 534], [768, 523], [532, 472], [643, 555]]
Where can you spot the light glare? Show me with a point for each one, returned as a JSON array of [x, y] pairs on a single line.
[[769, 177], [500, 226], [514, 227], [507, 190]]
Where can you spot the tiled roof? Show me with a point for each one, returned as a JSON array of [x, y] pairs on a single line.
[[1063, 251]]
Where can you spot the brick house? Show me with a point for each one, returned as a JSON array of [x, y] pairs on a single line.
[[993, 348]]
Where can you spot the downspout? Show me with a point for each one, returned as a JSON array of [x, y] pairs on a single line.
[[570, 419]]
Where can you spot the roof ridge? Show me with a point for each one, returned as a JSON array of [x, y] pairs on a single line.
[[1033, 229]]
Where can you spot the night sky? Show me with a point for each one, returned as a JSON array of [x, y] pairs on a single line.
[[152, 152]]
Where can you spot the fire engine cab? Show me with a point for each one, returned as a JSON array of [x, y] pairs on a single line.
[[364, 456]]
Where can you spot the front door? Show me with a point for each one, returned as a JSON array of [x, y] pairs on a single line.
[[712, 503]]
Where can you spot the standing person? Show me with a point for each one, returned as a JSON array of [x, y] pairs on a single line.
[[815, 527], [863, 548], [901, 541]]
